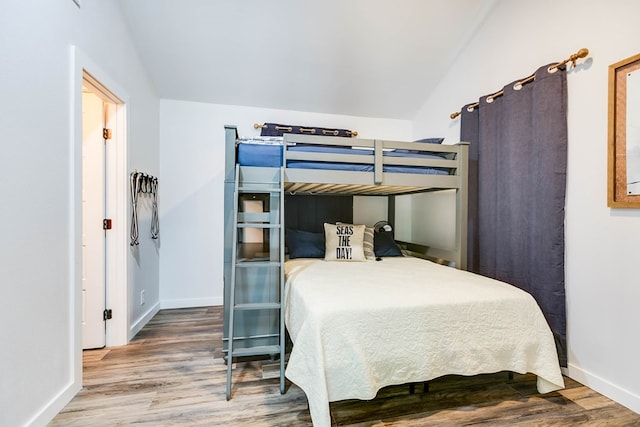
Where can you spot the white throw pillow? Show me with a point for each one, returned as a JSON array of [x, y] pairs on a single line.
[[369, 252], [344, 242]]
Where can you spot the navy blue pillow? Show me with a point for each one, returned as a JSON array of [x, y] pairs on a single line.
[[430, 140], [426, 141], [304, 244], [385, 245]]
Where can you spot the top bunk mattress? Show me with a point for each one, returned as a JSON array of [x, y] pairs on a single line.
[[269, 153]]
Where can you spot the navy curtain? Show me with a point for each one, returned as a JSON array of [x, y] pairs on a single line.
[[517, 180]]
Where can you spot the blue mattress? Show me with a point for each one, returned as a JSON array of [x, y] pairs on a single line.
[[271, 156], [260, 155]]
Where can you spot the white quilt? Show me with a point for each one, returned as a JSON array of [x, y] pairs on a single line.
[[361, 326]]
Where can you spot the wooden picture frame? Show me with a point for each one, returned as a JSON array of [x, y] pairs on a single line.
[[617, 194]]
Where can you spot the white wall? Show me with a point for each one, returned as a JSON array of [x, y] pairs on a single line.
[[192, 168], [370, 209], [602, 244], [40, 357]]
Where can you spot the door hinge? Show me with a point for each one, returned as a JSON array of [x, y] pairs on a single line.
[[107, 314], [106, 224], [106, 133]]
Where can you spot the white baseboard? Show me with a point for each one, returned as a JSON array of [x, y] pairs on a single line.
[[51, 409], [604, 387], [143, 320], [191, 302]]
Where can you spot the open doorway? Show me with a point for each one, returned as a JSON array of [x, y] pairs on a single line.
[[85, 72], [104, 314], [103, 162], [88, 77]]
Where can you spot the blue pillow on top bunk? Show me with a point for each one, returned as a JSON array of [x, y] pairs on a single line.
[[385, 245], [430, 140], [305, 244], [423, 140]]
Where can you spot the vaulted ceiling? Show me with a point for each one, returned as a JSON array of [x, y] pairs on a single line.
[[370, 58]]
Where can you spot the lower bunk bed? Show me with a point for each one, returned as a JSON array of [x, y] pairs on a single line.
[[357, 327]]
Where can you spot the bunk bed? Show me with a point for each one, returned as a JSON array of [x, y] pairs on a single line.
[[359, 326], [323, 165]]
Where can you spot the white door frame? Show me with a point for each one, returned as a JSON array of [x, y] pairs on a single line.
[[116, 250]]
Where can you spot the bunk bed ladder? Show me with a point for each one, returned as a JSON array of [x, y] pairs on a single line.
[[255, 271]]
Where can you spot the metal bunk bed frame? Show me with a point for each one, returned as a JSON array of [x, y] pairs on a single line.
[[378, 182]]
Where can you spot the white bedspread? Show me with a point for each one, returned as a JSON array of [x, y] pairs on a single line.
[[358, 327]]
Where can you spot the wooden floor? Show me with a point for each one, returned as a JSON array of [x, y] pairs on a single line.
[[173, 373]]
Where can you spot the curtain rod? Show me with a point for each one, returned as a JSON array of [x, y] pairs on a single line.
[[582, 53]]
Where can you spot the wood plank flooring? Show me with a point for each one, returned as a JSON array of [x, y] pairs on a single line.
[[173, 373]]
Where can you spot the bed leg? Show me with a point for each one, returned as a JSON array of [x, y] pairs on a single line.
[[425, 387]]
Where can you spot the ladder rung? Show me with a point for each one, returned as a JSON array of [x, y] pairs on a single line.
[[254, 351], [258, 306], [248, 338], [253, 216], [257, 264], [257, 225], [258, 189]]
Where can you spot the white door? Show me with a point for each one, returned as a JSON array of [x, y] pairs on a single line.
[[93, 213]]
